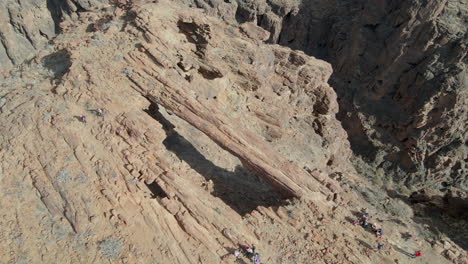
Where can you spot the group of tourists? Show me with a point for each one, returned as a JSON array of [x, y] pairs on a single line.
[[99, 112], [363, 221], [248, 252]]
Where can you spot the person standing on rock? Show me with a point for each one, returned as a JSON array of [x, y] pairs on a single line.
[[364, 222], [237, 253], [83, 119], [379, 246], [256, 258], [99, 112], [379, 233], [250, 249], [418, 254]]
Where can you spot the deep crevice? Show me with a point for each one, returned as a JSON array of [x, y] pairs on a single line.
[[57, 8], [156, 190]]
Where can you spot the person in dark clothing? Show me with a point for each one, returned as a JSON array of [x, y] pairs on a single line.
[[379, 246]]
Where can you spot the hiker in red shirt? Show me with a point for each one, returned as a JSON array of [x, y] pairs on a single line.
[[418, 254]]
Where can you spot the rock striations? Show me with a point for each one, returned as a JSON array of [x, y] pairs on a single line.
[[399, 72], [209, 139]]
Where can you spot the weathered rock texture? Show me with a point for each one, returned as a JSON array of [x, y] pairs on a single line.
[[294, 75], [204, 128], [26, 26], [118, 189], [399, 71]]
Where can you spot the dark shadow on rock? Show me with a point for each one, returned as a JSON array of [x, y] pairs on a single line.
[[403, 252], [398, 221], [363, 243], [395, 195], [198, 34], [245, 14], [357, 214], [406, 235], [60, 8], [239, 189], [56, 8], [58, 63], [349, 219], [446, 215], [78, 118], [101, 24], [449, 221], [156, 190]]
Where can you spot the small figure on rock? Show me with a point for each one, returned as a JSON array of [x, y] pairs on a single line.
[[99, 112], [256, 258], [418, 254], [379, 246], [379, 233], [83, 119], [249, 249], [364, 223], [237, 253]]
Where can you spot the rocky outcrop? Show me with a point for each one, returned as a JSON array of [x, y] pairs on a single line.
[[117, 188], [406, 97], [204, 127], [252, 151], [399, 72], [27, 26]]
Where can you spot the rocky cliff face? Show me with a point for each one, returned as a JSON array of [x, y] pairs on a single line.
[[401, 76], [192, 157], [399, 71], [26, 26], [210, 138]]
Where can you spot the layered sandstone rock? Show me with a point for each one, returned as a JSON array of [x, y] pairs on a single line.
[[160, 75], [399, 71], [118, 189], [204, 128]]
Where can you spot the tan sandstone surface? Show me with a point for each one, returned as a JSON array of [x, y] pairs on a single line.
[[210, 138]]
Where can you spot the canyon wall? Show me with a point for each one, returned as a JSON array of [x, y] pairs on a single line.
[[399, 72], [211, 138]]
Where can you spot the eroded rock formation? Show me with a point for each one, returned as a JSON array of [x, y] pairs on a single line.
[[270, 65], [110, 189], [399, 71], [204, 127], [27, 26]]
